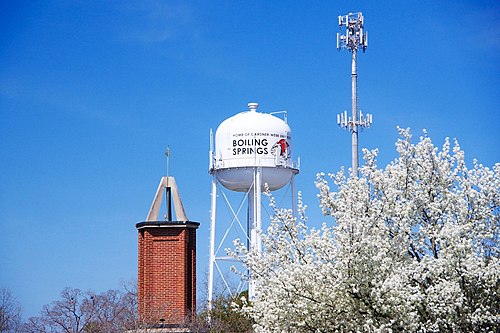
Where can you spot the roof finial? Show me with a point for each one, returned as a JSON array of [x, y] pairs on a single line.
[[167, 154], [253, 106]]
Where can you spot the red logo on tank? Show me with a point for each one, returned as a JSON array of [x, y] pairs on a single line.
[[283, 147]]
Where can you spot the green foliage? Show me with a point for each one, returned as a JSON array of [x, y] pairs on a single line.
[[226, 315]]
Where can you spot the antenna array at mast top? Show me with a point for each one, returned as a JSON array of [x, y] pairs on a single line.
[[354, 34]]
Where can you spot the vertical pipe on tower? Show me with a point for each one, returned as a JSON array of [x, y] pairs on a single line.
[[258, 217], [255, 223], [251, 234]]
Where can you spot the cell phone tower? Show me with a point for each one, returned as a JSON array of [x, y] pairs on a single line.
[[353, 39]]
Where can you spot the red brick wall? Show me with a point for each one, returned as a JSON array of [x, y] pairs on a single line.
[[167, 274]]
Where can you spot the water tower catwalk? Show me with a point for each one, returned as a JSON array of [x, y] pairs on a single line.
[[252, 149]]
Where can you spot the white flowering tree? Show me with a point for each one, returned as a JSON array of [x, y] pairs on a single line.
[[412, 247]]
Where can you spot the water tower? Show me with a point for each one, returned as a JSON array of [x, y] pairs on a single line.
[[251, 149]]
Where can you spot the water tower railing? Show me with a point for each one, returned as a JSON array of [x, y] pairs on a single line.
[[283, 112]]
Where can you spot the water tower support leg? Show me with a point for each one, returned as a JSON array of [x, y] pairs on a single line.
[[294, 196], [212, 243]]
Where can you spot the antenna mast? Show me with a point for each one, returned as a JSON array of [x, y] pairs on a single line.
[[354, 37]]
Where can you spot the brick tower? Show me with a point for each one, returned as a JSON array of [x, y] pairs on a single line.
[[167, 262]]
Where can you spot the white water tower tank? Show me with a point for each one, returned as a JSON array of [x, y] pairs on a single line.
[[248, 140]]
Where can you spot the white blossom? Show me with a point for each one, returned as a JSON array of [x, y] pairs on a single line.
[[412, 247]]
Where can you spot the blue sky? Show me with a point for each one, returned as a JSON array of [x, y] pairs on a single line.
[[92, 92]]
